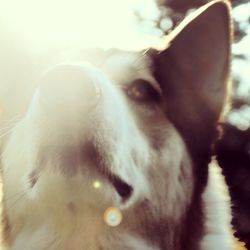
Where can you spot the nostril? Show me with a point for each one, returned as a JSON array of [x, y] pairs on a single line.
[[122, 188]]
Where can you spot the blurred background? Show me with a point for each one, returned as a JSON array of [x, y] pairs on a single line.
[[233, 151], [31, 29]]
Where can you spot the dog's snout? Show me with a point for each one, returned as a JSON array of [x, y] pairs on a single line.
[[78, 112], [69, 86]]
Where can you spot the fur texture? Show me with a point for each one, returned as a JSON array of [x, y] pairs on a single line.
[[141, 125]]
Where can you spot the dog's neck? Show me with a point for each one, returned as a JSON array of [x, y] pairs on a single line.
[[69, 230]]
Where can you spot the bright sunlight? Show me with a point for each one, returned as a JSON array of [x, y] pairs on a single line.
[[42, 24]]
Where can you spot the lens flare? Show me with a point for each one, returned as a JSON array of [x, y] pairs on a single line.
[[97, 184], [113, 216]]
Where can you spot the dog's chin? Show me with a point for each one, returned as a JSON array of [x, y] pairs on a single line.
[[55, 190], [84, 188]]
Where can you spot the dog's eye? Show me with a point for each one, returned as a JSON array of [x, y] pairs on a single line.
[[142, 91]]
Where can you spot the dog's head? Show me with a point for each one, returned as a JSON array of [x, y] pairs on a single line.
[[126, 130]]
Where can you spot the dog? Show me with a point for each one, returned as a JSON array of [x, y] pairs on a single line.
[[114, 148]]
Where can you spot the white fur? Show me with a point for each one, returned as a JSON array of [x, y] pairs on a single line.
[[217, 211], [44, 218]]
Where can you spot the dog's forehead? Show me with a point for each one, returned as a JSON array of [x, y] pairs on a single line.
[[122, 66]]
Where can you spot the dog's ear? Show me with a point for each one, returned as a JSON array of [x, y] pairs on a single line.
[[193, 72]]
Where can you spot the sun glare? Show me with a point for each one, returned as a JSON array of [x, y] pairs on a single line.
[[83, 23]]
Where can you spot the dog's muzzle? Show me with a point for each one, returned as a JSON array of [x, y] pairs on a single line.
[[70, 89], [72, 123]]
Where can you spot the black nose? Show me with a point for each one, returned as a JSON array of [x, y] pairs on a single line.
[[69, 87]]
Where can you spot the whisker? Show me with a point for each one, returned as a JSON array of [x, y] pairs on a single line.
[[13, 120], [14, 196], [18, 199], [9, 125], [6, 167]]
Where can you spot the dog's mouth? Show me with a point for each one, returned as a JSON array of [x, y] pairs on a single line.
[[122, 188], [92, 165], [97, 157]]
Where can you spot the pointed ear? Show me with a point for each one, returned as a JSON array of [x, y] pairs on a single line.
[[193, 72]]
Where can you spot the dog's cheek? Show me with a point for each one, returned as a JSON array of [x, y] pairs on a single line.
[[169, 177], [15, 174], [151, 121]]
